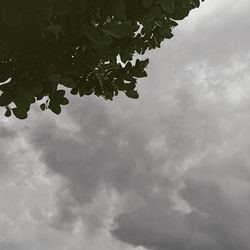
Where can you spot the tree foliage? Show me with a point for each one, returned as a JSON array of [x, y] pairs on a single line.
[[87, 46]]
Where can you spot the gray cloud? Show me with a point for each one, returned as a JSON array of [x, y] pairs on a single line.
[[210, 140], [9, 246], [218, 219], [6, 132], [168, 171], [98, 156]]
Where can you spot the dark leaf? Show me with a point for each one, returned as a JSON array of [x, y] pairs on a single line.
[[68, 82], [20, 113], [5, 99], [132, 94], [7, 112], [117, 30], [167, 5], [74, 91], [55, 107], [100, 40], [64, 101], [43, 106]]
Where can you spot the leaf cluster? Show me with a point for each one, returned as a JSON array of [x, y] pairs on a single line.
[[87, 46]]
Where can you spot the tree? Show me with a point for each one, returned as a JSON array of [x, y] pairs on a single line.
[[87, 46]]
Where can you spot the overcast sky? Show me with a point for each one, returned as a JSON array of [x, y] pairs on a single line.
[[169, 171]]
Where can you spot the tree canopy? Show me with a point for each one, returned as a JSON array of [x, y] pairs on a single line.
[[87, 46]]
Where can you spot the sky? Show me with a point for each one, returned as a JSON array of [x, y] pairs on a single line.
[[169, 171]]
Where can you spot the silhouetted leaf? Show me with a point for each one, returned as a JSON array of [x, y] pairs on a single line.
[[167, 5], [55, 107], [43, 106], [55, 78], [95, 36], [20, 113], [132, 94], [64, 101], [7, 112], [68, 82], [5, 99], [117, 30], [74, 91], [196, 3]]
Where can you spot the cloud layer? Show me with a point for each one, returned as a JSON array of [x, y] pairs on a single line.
[[168, 171]]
